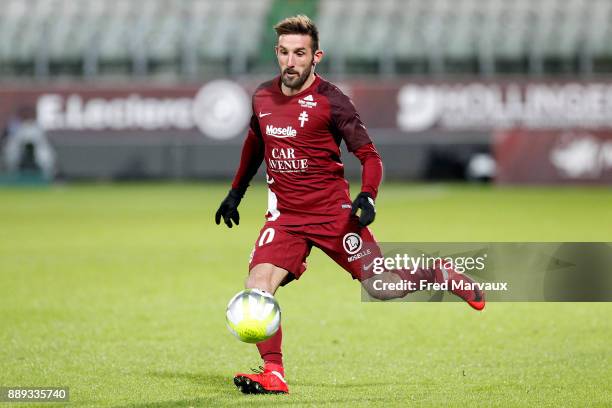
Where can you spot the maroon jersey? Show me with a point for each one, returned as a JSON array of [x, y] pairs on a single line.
[[299, 138]]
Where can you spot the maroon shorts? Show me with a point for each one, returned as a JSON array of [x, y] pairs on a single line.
[[350, 245]]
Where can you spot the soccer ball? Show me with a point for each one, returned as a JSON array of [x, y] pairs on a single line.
[[253, 315]]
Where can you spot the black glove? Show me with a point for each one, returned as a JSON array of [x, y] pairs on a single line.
[[365, 202], [229, 208]]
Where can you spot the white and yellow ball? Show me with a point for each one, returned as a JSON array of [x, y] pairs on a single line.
[[253, 315]]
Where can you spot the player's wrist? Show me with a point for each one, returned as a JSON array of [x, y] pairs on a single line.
[[367, 194], [237, 192]]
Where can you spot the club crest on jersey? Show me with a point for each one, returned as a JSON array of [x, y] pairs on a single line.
[[351, 243], [279, 132], [307, 102], [303, 118]]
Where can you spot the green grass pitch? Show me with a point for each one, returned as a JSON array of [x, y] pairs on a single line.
[[119, 292]]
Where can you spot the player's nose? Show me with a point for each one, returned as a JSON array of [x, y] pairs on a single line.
[[291, 60]]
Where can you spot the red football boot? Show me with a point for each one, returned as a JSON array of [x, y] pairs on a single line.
[[473, 296], [263, 381]]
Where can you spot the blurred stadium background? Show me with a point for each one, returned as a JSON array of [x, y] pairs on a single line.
[[517, 91]]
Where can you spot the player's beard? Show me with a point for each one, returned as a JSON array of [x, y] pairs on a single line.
[[295, 82]]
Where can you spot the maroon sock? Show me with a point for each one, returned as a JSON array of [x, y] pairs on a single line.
[[419, 275], [437, 275], [443, 274], [270, 350]]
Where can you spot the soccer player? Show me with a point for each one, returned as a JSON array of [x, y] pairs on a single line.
[[298, 122]]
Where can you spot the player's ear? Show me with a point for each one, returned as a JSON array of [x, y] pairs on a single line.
[[318, 55]]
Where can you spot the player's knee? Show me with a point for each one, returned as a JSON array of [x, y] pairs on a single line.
[[258, 280], [384, 294], [378, 290], [265, 277]]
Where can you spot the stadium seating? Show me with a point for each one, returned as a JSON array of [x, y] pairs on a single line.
[[488, 32], [188, 37], [129, 35]]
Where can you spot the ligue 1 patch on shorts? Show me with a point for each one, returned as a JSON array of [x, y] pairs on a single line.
[[501, 271]]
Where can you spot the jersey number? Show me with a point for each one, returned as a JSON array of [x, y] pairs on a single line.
[[266, 237]]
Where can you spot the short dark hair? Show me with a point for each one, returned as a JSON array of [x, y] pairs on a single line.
[[299, 24]]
